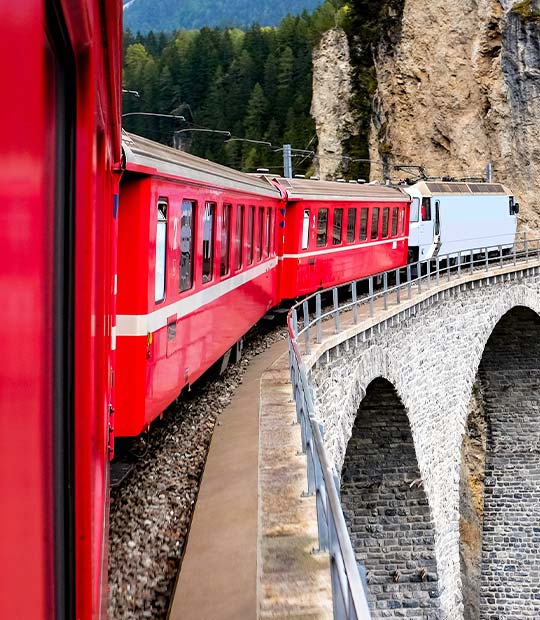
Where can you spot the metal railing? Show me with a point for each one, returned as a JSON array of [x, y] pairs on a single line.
[[349, 594]]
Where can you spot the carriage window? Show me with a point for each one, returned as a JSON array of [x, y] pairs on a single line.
[[395, 211], [402, 218], [268, 231], [261, 233], [375, 223], [351, 225], [225, 240], [322, 227], [415, 209], [337, 233], [250, 233], [305, 230], [239, 237], [208, 241], [186, 245], [161, 250], [386, 213], [426, 209], [363, 224]]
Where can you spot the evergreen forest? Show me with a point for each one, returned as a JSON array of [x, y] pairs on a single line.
[[244, 93]]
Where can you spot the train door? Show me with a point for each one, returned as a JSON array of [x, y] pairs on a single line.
[[60, 129], [429, 229]]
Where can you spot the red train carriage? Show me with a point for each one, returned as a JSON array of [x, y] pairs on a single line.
[[196, 269], [59, 124], [338, 232]]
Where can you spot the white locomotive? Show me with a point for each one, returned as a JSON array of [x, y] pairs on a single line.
[[451, 218]]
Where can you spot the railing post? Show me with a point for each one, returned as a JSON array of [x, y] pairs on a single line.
[[515, 255], [398, 287], [371, 306], [419, 275], [295, 322], [355, 302], [437, 268], [459, 264], [318, 313], [385, 290], [409, 283], [486, 259], [336, 310], [526, 250], [472, 261], [305, 307], [500, 257], [428, 279]]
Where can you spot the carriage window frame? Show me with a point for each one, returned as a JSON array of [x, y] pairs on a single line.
[[415, 210], [183, 247], [305, 228], [395, 221], [208, 236], [337, 226], [351, 225], [385, 222], [225, 253], [239, 238], [364, 220], [268, 246], [260, 234], [160, 275], [375, 213], [250, 235], [322, 236]]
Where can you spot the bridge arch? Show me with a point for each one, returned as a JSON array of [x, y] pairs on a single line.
[[500, 474], [386, 508]]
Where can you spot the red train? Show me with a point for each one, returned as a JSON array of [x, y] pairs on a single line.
[[60, 128], [205, 252], [125, 278]]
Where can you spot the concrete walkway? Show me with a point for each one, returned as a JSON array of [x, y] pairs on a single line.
[[218, 577]]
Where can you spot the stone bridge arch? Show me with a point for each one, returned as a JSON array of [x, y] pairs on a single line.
[[431, 356]]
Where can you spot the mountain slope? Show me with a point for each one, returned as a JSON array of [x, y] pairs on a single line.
[[166, 15]]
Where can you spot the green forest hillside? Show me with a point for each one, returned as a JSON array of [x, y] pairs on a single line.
[[168, 15]]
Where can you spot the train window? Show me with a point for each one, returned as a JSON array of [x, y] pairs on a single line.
[[415, 209], [363, 224], [385, 216], [261, 234], [209, 218], [351, 225], [322, 227], [375, 223], [426, 209], [268, 231], [225, 240], [161, 250], [239, 237], [186, 244], [305, 229], [402, 219], [395, 213], [250, 234], [337, 232]]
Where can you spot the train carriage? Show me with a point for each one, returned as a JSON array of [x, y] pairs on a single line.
[[197, 269], [60, 127], [338, 232]]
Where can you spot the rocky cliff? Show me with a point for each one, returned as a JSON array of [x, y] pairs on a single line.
[[461, 88], [330, 107]]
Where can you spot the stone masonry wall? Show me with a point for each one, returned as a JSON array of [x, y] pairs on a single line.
[[387, 512], [431, 358], [510, 569]]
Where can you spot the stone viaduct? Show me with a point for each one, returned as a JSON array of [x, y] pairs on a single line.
[[431, 417]]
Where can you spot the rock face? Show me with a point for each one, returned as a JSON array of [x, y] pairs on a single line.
[[330, 105], [460, 89]]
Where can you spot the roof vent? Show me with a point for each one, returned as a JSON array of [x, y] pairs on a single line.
[[299, 176], [315, 178], [341, 180], [263, 170], [361, 180]]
